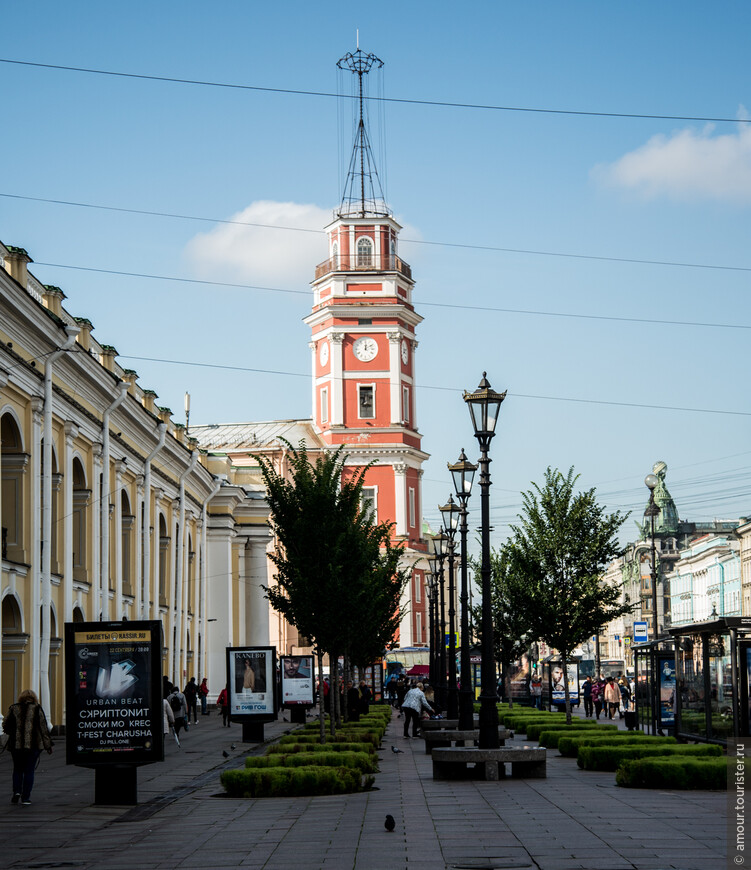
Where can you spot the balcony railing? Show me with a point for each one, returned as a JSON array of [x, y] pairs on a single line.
[[343, 264]]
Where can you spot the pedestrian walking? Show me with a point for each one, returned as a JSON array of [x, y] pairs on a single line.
[[353, 702], [203, 694], [414, 703], [535, 691], [191, 698], [587, 696], [179, 708], [366, 696], [625, 695], [612, 697], [28, 734], [168, 718], [223, 703], [598, 690], [402, 687]]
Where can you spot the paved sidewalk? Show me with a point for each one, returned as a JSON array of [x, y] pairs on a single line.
[[571, 820]]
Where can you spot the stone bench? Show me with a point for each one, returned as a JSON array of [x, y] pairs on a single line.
[[489, 764], [452, 736], [436, 724]]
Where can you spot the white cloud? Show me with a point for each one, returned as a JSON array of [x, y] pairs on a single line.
[[261, 254], [689, 164]]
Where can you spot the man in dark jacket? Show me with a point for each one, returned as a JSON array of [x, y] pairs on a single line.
[[191, 699], [28, 734]]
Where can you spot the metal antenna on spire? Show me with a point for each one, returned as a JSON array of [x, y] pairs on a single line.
[[363, 194]]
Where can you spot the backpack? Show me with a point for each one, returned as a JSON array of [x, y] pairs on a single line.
[[174, 702]]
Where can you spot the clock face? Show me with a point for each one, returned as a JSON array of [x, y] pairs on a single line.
[[405, 352], [323, 353], [365, 349]]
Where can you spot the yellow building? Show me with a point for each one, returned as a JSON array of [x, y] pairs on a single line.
[[109, 511]]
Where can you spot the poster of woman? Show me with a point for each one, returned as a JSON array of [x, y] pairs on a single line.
[[250, 677]]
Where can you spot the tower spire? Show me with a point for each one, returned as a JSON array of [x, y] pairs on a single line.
[[363, 194]]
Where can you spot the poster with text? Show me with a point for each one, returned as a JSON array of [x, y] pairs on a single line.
[[114, 700], [298, 680], [251, 675]]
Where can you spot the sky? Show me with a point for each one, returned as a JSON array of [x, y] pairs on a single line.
[[595, 265]]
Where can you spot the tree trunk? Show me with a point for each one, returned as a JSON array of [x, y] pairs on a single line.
[[321, 707], [564, 665], [334, 705], [346, 677], [506, 668]]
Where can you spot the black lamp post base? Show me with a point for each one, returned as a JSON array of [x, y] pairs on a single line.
[[466, 710], [488, 738], [452, 707]]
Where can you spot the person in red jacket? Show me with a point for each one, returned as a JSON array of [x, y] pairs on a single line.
[[203, 694], [223, 702]]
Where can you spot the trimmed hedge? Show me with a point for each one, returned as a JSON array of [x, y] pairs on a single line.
[[293, 781], [342, 736], [288, 748], [535, 729], [569, 744], [673, 773], [550, 738], [365, 762], [609, 757]]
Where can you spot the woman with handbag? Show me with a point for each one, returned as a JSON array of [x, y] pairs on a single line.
[[28, 734]]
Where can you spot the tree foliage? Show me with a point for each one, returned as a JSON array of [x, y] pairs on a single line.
[[511, 625], [560, 550], [337, 570]]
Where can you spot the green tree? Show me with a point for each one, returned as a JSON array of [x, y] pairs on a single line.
[[511, 625], [560, 550], [337, 570]]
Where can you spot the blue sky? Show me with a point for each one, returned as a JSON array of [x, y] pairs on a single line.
[[624, 188]]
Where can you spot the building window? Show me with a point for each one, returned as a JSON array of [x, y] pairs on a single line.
[[364, 252], [405, 404], [324, 405], [366, 401], [418, 587], [411, 507], [335, 254], [369, 501], [418, 628]]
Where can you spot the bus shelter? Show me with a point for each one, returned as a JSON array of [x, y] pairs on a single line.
[[654, 686], [713, 666]]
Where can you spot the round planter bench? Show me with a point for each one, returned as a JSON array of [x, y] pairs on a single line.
[[471, 763], [451, 736]]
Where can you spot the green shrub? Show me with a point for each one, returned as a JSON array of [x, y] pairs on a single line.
[[609, 757], [365, 762], [292, 781], [550, 736], [287, 748], [569, 744], [673, 773], [535, 729], [342, 736]]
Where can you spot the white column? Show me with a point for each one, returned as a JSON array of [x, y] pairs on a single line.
[[220, 631], [414, 385], [96, 518], [189, 521], [395, 380], [171, 595], [71, 433], [118, 532], [36, 536], [256, 572], [400, 497], [314, 412], [138, 568], [156, 555], [337, 381], [3, 382]]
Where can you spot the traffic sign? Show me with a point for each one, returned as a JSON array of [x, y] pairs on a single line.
[[640, 632]]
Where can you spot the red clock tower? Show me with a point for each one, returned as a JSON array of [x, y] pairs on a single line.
[[363, 346]]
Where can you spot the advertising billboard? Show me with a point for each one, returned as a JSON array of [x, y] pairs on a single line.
[[114, 693], [298, 681], [667, 690], [557, 687], [251, 677]]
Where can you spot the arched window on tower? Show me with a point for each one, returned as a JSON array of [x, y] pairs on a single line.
[[335, 255], [364, 252]]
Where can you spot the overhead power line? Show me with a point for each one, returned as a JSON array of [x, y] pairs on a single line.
[[403, 100], [452, 389], [461, 245], [522, 311]]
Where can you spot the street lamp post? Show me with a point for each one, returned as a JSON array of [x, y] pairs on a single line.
[[463, 473], [431, 633], [450, 513], [484, 408], [652, 511], [440, 550]]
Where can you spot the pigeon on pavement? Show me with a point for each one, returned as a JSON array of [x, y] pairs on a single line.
[[389, 824], [396, 750], [225, 753]]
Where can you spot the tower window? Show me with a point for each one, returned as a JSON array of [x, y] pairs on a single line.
[[365, 401], [412, 511], [324, 405], [364, 252], [405, 404], [364, 321], [335, 254], [369, 500]]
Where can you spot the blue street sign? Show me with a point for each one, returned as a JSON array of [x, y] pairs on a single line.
[[640, 632]]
